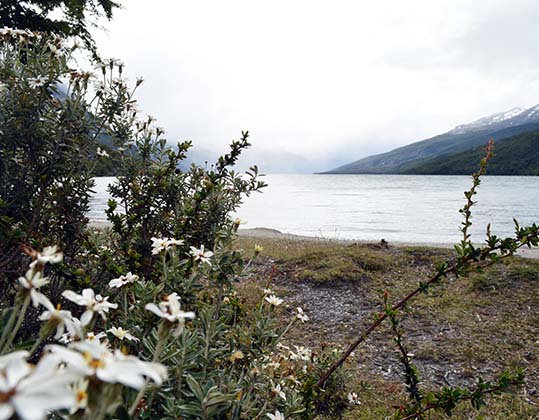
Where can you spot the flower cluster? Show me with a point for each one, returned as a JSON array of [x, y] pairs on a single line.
[[34, 277], [61, 377], [129, 278], [94, 359], [95, 304], [160, 245], [30, 392], [62, 373], [90, 346]]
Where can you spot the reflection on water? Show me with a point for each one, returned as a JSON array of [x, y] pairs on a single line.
[[405, 208]]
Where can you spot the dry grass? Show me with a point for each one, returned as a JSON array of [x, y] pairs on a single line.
[[467, 328]]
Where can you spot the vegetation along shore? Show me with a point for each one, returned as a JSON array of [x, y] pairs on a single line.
[[468, 328], [168, 310]]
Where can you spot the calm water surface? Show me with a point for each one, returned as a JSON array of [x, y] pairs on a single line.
[[403, 208]]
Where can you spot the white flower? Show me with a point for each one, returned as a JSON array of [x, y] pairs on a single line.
[[353, 398], [169, 309], [60, 318], [33, 280], [50, 254], [121, 334], [75, 334], [199, 254], [268, 291], [277, 416], [80, 390], [277, 390], [101, 152], [94, 304], [92, 358], [10, 358], [301, 315], [162, 244], [274, 365], [281, 346], [273, 300], [91, 336], [159, 245], [31, 393], [123, 280], [55, 50], [302, 353], [37, 82], [15, 32]]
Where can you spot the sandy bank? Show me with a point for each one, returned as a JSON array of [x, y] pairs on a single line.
[[267, 233]]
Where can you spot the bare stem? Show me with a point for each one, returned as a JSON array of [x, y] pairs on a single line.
[[381, 317], [20, 320], [9, 325]]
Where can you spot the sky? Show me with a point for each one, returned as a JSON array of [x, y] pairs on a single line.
[[324, 82]]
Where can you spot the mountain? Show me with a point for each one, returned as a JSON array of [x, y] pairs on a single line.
[[463, 137], [513, 117], [276, 161], [517, 155]]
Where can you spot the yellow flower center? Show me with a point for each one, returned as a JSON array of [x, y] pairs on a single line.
[[93, 363], [81, 396]]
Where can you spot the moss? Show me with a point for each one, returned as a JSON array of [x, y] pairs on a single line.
[[526, 273], [323, 261], [516, 274]]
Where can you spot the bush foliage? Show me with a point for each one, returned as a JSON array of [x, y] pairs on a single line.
[[143, 320]]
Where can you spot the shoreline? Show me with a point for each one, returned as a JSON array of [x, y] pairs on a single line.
[[269, 233]]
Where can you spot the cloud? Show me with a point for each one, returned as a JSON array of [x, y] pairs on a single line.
[[325, 80], [495, 39]]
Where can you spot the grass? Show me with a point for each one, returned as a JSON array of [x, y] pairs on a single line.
[[323, 261], [462, 330]]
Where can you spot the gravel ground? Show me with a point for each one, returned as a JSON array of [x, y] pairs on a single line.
[[340, 311]]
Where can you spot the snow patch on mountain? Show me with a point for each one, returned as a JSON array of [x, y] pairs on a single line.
[[513, 117], [494, 119]]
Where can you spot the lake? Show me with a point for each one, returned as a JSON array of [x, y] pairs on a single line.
[[398, 208]]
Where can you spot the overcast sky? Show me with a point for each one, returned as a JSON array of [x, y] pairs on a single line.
[[334, 80]]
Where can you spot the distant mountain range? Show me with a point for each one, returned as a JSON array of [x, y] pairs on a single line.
[[517, 155], [268, 161], [515, 133]]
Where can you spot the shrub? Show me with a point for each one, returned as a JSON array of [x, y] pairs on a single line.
[[49, 127], [154, 303], [155, 327]]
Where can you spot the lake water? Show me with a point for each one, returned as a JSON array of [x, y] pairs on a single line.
[[399, 208]]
